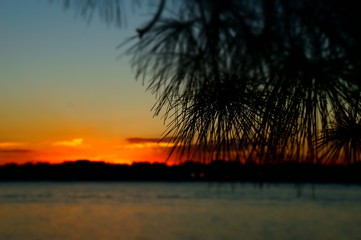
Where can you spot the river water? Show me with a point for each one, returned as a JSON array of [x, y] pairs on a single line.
[[184, 211]]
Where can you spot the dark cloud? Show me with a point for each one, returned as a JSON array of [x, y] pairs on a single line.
[[15, 151], [149, 140]]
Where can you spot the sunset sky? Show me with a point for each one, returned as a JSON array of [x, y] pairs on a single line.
[[64, 95]]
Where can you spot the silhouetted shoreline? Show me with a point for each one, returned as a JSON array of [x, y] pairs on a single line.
[[84, 170]]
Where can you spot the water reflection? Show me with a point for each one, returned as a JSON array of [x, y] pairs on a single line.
[[176, 211]]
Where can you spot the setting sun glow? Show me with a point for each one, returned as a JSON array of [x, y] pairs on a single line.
[[65, 96]]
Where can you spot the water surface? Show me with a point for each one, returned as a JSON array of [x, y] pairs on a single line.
[[141, 211]]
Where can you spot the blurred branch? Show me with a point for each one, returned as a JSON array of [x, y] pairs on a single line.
[[142, 31]]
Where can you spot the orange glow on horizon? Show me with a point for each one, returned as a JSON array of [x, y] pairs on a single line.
[[84, 149]]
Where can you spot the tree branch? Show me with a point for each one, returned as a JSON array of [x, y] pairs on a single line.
[[142, 31]]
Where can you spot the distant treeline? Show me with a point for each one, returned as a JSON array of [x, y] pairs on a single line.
[[84, 170]]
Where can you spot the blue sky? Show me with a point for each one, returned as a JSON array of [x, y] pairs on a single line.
[[61, 78]]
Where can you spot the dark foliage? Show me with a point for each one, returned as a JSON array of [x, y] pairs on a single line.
[[254, 80], [83, 170]]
